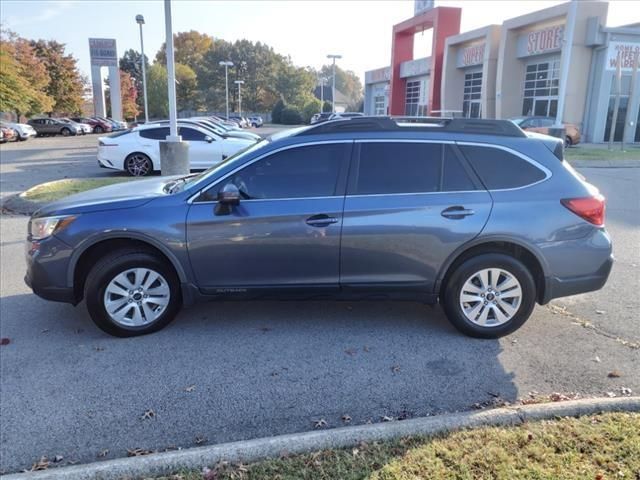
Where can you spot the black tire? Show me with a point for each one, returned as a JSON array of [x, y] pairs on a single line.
[[106, 269], [65, 132], [98, 129], [455, 282], [567, 141], [138, 165]]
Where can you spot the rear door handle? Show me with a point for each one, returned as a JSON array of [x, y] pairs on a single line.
[[321, 220], [456, 212]]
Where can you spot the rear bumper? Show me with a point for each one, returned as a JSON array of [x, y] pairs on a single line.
[[556, 287]]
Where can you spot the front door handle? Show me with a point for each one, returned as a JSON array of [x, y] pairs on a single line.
[[321, 220], [456, 212]]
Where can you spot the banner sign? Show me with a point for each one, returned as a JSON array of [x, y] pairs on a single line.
[[378, 75], [103, 52], [421, 6], [546, 40], [626, 51], [473, 55]]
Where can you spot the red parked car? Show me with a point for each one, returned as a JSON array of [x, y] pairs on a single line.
[[8, 134], [98, 126]]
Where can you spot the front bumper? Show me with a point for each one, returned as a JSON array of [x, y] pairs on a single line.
[[47, 263]]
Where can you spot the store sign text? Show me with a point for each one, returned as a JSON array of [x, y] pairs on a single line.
[[472, 55], [545, 40], [625, 51], [103, 52]]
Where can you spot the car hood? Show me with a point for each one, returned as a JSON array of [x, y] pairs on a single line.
[[112, 197], [241, 134]]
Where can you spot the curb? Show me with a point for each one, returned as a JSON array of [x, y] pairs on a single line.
[[580, 163], [260, 448]]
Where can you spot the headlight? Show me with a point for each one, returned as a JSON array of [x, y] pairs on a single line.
[[41, 228]]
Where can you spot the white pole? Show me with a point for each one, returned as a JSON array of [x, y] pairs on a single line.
[[226, 82], [566, 61], [239, 83], [333, 88], [171, 76], [321, 94], [144, 79]]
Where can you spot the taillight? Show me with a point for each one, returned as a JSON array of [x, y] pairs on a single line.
[[590, 208]]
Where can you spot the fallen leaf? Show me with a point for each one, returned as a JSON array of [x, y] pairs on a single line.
[[614, 374], [351, 351], [625, 391], [320, 423], [190, 388], [148, 414], [41, 464], [597, 359], [365, 348], [98, 349], [5, 341], [58, 458], [45, 330], [395, 368], [385, 418], [610, 394], [355, 452], [346, 418], [514, 341], [558, 397], [200, 440], [103, 453], [138, 452], [600, 312]]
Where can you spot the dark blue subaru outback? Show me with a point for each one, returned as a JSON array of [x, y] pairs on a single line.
[[475, 214]]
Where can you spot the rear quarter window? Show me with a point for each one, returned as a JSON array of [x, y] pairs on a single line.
[[499, 169]]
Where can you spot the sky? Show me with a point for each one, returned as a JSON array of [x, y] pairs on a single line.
[[306, 30]]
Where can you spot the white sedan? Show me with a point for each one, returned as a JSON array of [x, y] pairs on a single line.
[[23, 130], [137, 151]]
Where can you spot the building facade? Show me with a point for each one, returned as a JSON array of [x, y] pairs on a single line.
[[557, 62]]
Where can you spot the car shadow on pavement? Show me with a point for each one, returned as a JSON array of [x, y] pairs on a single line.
[[229, 371]]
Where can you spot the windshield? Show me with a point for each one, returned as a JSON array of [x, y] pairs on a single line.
[[236, 156]]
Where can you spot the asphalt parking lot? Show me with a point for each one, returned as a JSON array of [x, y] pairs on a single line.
[[231, 371]]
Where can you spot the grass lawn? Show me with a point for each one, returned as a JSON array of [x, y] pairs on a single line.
[[51, 191], [631, 152], [593, 447]]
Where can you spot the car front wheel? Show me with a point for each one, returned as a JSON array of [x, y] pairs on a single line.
[[138, 165], [132, 292], [65, 132], [489, 296]]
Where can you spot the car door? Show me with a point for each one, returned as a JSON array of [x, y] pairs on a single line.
[[409, 206], [285, 232], [204, 150]]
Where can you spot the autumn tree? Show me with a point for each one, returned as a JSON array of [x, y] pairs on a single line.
[[66, 86], [347, 82], [189, 49], [129, 96], [23, 78], [131, 63]]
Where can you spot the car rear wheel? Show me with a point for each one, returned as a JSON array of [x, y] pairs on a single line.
[[489, 296], [65, 132], [132, 292], [138, 165]]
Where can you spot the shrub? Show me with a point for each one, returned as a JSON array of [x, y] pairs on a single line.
[[290, 116], [310, 109], [276, 113]]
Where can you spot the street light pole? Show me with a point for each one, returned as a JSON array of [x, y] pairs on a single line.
[[140, 21], [239, 83], [333, 87], [226, 65], [174, 153]]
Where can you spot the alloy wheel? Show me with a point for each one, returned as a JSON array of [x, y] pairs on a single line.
[[138, 165], [490, 297], [136, 297]]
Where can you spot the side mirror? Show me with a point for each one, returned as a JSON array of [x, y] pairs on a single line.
[[208, 139], [228, 196]]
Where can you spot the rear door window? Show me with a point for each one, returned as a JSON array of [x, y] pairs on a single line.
[[397, 167], [500, 169], [455, 177], [192, 134], [155, 133]]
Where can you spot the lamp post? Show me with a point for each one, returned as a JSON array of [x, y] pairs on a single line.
[[174, 153], [333, 87], [140, 21], [239, 83], [321, 80], [226, 65]]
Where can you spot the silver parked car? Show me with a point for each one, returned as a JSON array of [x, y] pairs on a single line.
[[475, 214]]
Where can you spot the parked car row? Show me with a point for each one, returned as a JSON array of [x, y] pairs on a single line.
[[246, 122], [66, 126], [542, 125], [326, 116], [137, 151]]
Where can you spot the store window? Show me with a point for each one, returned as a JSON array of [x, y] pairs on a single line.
[[471, 106], [415, 92], [379, 107], [625, 85], [541, 84]]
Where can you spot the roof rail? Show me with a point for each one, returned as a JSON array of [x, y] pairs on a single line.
[[426, 124]]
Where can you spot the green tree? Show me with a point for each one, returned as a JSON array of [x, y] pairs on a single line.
[[189, 48], [157, 91], [310, 109], [276, 112], [66, 86], [187, 95], [347, 82], [131, 63]]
